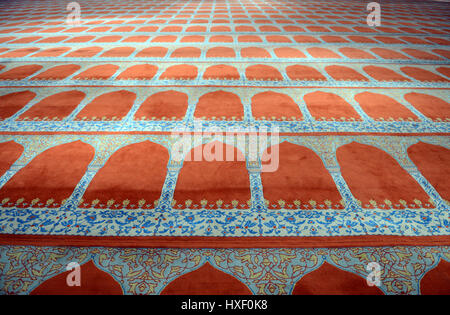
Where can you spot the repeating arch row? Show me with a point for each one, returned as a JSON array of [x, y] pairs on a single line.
[[238, 25], [257, 72], [174, 105], [216, 280], [126, 180]]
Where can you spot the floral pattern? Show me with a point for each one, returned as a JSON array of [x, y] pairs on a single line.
[[263, 271]]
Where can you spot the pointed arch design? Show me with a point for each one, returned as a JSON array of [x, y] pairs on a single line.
[[306, 39], [221, 52], [420, 54], [20, 73], [50, 177], [342, 73], [164, 39], [196, 28], [263, 73], [355, 53], [93, 282], [221, 39], [157, 52], [100, 72], [11, 103], [329, 106], [180, 72], [278, 39], [219, 105], [388, 53], [186, 52], [384, 74], [249, 39], [206, 280], [85, 52], [193, 39], [100, 108], [132, 177], [272, 105], [138, 72], [118, 52], [244, 28], [108, 39], [376, 179], [330, 280], [163, 105], [171, 29], [301, 180], [254, 52], [288, 52], [57, 72], [433, 162], [333, 39], [221, 72], [383, 107], [21, 52], [52, 52], [422, 74], [431, 106], [300, 72], [213, 181], [320, 52], [55, 107], [437, 280]]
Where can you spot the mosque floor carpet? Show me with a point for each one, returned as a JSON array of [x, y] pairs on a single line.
[[224, 147]]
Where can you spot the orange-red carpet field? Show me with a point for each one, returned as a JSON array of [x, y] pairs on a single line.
[[225, 147]]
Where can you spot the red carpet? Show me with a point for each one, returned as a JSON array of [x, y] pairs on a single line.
[[256, 133]]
